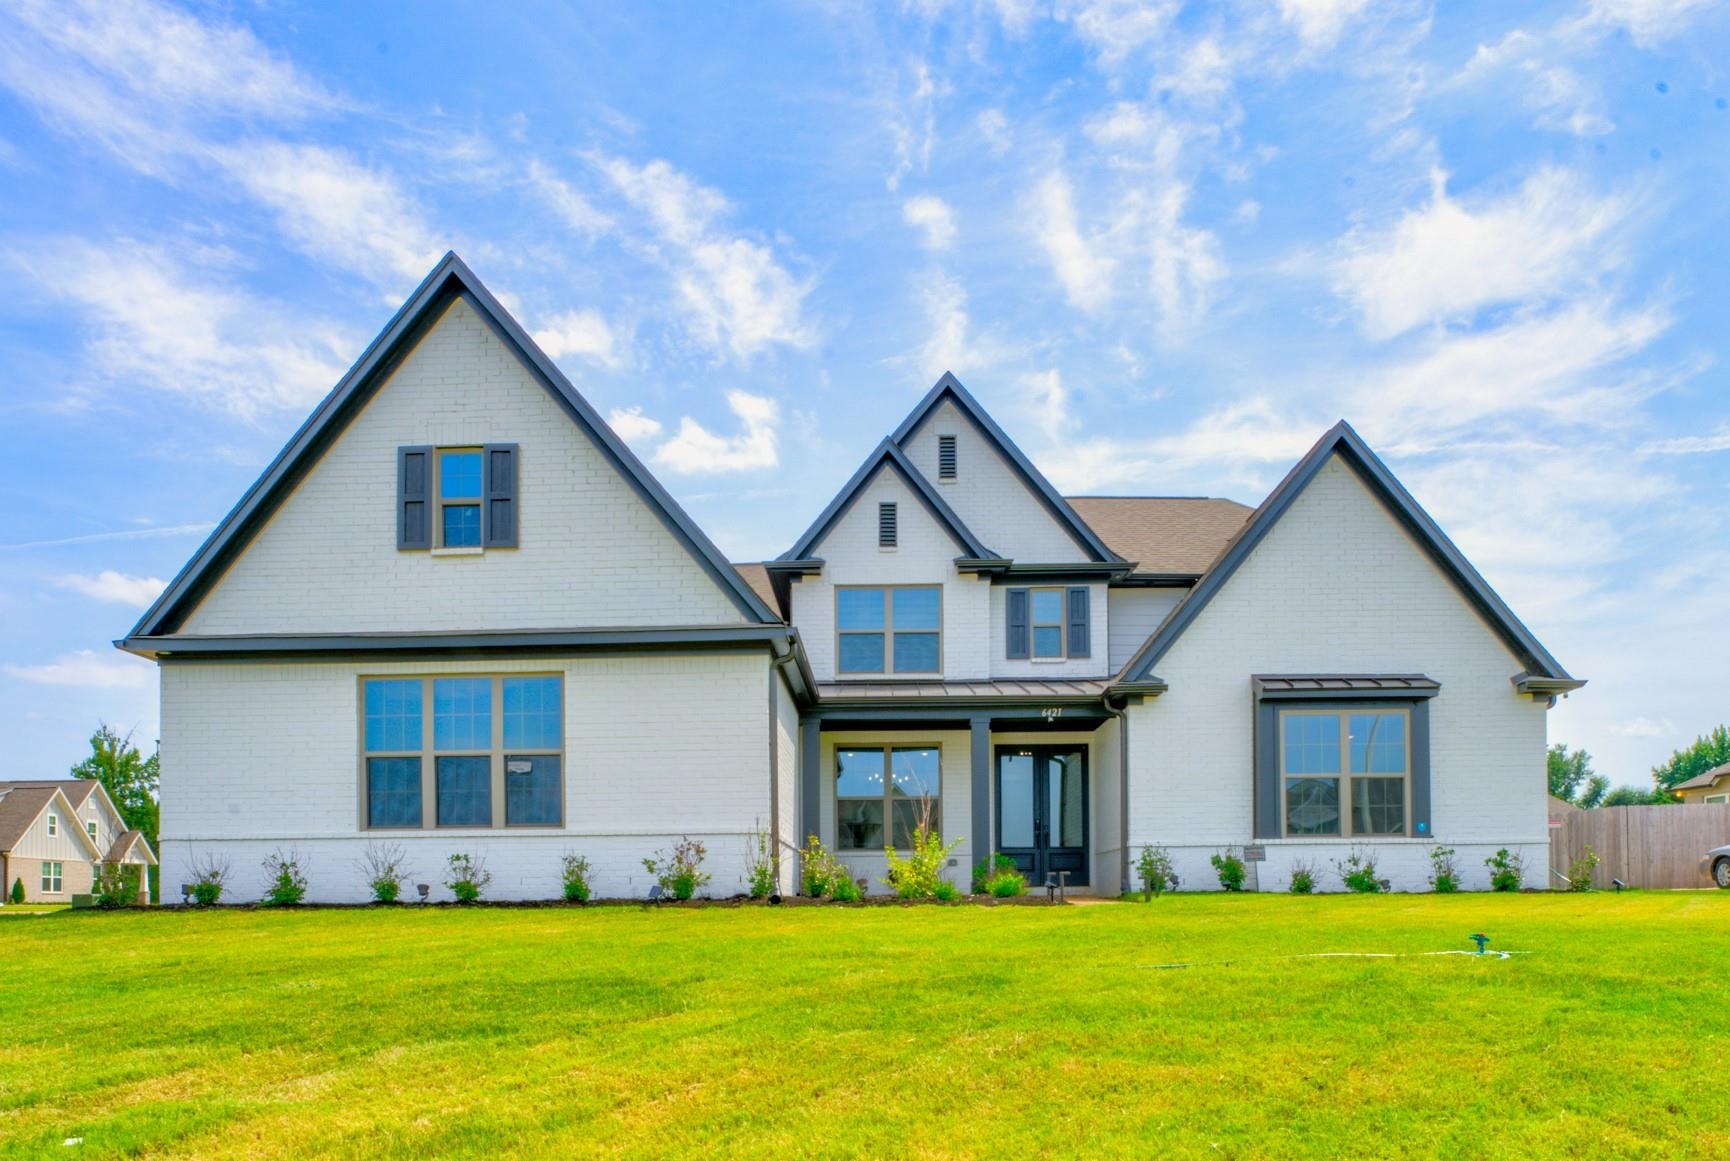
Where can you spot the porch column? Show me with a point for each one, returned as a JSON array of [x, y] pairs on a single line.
[[810, 779], [981, 788]]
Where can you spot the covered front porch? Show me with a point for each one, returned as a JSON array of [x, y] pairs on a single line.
[[1028, 769]]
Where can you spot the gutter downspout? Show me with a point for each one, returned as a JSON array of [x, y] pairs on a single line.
[[1121, 713]]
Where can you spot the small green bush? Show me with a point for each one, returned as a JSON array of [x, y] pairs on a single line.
[[680, 873], [818, 869], [1507, 870], [1002, 879], [209, 877], [1303, 878], [1358, 872], [762, 865], [1155, 871], [574, 876], [469, 877], [1580, 870], [1230, 869], [1444, 874], [947, 892], [284, 879], [382, 864], [116, 886], [845, 890], [18, 890], [917, 875]]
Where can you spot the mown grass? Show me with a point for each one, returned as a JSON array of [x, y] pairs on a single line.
[[875, 1032]]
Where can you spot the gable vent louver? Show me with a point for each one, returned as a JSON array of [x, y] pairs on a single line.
[[946, 457], [886, 525]]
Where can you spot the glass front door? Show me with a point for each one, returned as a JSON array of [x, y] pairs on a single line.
[[1042, 810]]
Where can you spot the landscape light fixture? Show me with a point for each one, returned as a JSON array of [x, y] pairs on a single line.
[[425, 889], [185, 894]]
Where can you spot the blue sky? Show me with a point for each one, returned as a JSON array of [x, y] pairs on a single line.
[[1166, 244]]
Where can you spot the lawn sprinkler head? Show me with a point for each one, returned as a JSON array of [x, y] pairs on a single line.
[[1619, 885], [1480, 939]]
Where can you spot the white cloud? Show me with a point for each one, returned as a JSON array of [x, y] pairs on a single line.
[[583, 333], [1683, 445], [740, 299], [1049, 400], [1186, 262], [121, 534], [951, 343], [632, 425], [86, 669], [934, 220], [994, 127], [693, 449], [1319, 23], [1239, 440], [575, 210], [913, 127], [1448, 259], [1650, 22], [159, 320], [337, 210], [1118, 29], [1085, 272], [1643, 727], [1560, 97], [116, 587]]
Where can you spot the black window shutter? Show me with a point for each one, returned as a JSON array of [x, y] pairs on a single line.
[[1016, 645], [1268, 823], [500, 495], [887, 530], [413, 497], [1079, 645]]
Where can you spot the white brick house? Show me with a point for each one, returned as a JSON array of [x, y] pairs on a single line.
[[485, 627]]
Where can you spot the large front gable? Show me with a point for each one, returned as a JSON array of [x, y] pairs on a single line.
[[348, 532]]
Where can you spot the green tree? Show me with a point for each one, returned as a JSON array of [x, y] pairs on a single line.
[[1572, 779], [129, 777], [1708, 750], [1635, 796]]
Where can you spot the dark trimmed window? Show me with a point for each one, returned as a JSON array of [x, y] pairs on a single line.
[[1346, 772], [890, 630], [884, 793]]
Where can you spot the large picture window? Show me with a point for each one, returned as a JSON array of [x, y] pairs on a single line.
[[882, 794], [892, 630], [489, 753], [1345, 772]]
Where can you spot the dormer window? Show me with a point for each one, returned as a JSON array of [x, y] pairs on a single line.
[[53, 824], [460, 498], [945, 457], [888, 529], [90, 827]]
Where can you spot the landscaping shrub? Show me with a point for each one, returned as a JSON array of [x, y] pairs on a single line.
[[1358, 872], [1507, 871], [284, 879], [18, 890], [917, 876], [116, 886], [819, 870], [1155, 871], [574, 874], [681, 872], [383, 865], [469, 877], [1003, 880], [762, 865], [845, 890], [947, 892], [209, 876], [1303, 878], [1230, 869], [1444, 875], [1580, 870]]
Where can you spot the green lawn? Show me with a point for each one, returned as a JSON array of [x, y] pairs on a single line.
[[875, 1032]]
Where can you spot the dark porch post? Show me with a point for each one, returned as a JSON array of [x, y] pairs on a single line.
[[810, 778], [981, 788]]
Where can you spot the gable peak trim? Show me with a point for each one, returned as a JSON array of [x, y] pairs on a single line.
[[887, 455]]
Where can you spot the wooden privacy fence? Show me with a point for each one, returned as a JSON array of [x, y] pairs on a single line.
[[1644, 846]]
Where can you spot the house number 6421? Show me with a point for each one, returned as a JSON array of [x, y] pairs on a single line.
[[1051, 712]]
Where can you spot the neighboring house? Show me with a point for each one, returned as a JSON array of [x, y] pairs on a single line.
[[1712, 786], [458, 614], [55, 834]]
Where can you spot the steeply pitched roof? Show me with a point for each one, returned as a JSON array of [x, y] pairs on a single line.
[[1163, 534], [888, 456], [1350, 447], [449, 280], [22, 803], [949, 387], [124, 845], [76, 790], [1706, 780]]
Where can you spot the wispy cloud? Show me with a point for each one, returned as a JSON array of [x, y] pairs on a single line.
[[934, 220], [115, 587], [739, 297], [118, 534], [694, 449], [158, 319], [1081, 264], [86, 669], [583, 333], [1684, 445], [571, 205], [632, 425], [1651, 22]]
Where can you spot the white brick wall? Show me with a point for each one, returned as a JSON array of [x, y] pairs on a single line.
[[989, 495], [1338, 586], [1135, 614], [591, 553], [925, 554], [261, 756], [1094, 665]]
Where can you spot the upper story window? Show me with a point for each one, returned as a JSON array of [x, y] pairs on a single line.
[[1345, 772], [1047, 624], [90, 827], [888, 525], [490, 753], [946, 457], [53, 824], [457, 497], [889, 629]]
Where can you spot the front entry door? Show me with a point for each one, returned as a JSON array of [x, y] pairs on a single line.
[[1042, 810]]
